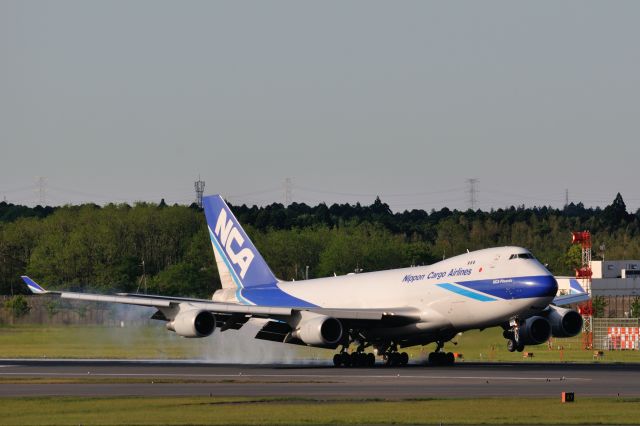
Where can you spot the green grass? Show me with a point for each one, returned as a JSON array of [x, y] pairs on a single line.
[[154, 342], [269, 411]]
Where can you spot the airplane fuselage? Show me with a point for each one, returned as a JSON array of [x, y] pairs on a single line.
[[478, 289]]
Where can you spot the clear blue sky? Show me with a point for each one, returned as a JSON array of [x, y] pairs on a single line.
[[132, 100]]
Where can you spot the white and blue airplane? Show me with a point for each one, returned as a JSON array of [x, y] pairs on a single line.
[[387, 310]]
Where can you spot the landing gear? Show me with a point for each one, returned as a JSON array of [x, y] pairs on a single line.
[[513, 338], [391, 356], [439, 358], [354, 359], [389, 352], [396, 359]]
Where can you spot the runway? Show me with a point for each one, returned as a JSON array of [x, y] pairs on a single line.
[[151, 378]]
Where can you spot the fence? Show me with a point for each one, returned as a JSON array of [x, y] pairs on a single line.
[[616, 333]]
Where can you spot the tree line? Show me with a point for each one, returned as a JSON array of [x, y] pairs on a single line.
[[165, 249]]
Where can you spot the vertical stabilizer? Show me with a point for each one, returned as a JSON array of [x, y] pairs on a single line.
[[239, 262]]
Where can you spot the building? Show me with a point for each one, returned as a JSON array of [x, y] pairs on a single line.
[[618, 281]]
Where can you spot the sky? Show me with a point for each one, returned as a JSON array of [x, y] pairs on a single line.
[[124, 101]]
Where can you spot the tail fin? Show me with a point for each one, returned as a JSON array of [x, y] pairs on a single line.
[[575, 287], [239, 263], [33, 286]]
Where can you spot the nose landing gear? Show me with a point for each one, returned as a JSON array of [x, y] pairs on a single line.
[[513, 338]]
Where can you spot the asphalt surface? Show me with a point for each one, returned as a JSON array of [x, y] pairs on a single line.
[[149, 378]]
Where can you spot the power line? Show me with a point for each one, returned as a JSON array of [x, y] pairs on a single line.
[[381, 194]]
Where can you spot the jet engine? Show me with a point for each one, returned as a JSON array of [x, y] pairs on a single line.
[[319, 330], [193, 323], [564, 322], [534, 331]]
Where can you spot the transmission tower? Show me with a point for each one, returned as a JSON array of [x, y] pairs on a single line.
[[473, 199], [199, 186], [41, 181], [288, 191]]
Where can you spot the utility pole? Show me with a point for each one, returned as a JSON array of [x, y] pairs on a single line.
[[566, 198], [473, 200], [199, 186]]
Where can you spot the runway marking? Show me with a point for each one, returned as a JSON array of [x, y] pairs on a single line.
[[300, 376]]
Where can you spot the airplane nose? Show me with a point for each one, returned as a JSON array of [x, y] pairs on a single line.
[[553, 286], [537, 286]]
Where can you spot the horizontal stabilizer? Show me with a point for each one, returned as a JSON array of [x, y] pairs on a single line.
[[571, 298]]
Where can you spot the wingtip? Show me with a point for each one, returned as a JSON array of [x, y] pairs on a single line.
[[32, 285]]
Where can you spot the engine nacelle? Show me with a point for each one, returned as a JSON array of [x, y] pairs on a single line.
[[319, 330], [193, 323], [564, 322], [534, 331]]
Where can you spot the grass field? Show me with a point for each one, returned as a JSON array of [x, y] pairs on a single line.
[[154, 342], [265, 411]]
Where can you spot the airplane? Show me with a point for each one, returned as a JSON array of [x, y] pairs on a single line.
[[385, 310]]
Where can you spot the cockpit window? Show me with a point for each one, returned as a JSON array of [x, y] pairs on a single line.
[[521, 256]]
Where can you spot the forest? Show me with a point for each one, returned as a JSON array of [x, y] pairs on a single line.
[[163, 249]]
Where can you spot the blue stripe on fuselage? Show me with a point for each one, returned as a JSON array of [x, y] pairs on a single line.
[[515, 287], [467, 293]]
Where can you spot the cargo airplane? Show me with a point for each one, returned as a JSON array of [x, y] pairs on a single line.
[[374, 313]]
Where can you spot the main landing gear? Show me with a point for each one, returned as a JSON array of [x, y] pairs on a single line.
[[390, 355], [355, 359], [440, 358]]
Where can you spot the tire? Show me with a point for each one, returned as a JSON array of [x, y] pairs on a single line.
[[395, 359], [520, 348], [346, 359], [371, 360], [355, 359], [450, 359], [404, 358], [512, 345], [337, 360]]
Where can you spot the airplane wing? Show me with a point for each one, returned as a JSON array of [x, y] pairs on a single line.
[[391, 316]]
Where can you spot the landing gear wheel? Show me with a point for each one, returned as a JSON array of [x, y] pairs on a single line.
[[337, 360], [371, 360], [392, 359], [355, 359], [441, 358], [512, 345], [520, 348], [450, 359], [404, 358], [346, 359]]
